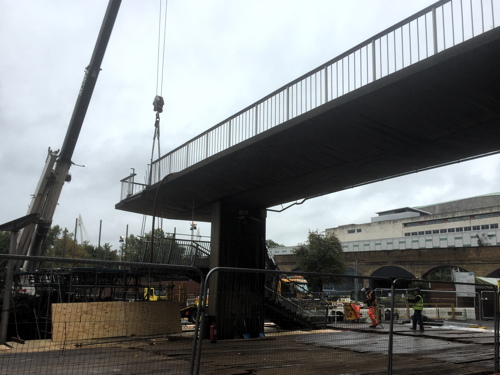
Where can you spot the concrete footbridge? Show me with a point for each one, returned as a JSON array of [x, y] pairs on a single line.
[[416, 96], [421, 94]]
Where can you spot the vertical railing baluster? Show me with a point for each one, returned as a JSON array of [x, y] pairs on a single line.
[[343, 75], [326, 84], [256, 125], [374, 64], [336, 80], [462, 19], [482, 16], [395, 52], [381, 64], [361, 68], [354, 71], [349, 73], [492, 15], [418, 40], [426, 37], [444, 28], [387, 48], [367, 64], [434, 30], [274, 110], [452, 25], [288, 103], [409, 42], [207, 140]]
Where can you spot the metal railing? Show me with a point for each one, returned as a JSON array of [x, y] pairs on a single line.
[[172, 250], [435, 28]]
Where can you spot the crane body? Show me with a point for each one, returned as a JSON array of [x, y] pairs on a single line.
[[58, 163]]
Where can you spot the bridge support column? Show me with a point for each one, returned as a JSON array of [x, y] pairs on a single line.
[[236, 299]]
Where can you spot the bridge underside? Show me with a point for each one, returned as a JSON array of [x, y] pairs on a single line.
[[438, 111]]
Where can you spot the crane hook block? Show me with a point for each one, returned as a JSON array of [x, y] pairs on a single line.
[[158, 104]]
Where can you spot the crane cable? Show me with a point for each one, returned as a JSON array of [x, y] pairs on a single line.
[[158, 101], [159, 81], [158, 108]]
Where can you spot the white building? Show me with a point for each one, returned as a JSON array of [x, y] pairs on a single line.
[[460, 223], [283, 250]]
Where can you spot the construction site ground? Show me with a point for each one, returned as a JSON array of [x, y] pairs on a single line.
[[439, 350]]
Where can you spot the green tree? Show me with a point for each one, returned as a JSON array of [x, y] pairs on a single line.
[[132, 249], [138, 248], [270, 244], [50, 241], [104, 252], [320, 254], [109, 253], [61, 243]]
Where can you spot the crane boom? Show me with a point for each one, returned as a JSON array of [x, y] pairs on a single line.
[[52, 180]]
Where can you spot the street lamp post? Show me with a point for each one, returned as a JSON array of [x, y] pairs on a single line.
[[193, 249], [122, 239]]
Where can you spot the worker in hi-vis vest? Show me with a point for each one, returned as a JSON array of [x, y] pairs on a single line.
[[371, 302], [418, 306]]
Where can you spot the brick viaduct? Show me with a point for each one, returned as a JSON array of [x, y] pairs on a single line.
[[483, 261]]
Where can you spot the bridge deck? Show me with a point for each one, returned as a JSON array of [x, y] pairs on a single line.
[[441, 110]]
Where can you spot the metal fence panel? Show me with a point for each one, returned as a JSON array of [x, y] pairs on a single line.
[[90, 317], [98, 317]]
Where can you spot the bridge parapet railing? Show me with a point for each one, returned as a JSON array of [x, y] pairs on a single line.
[[428, 32], [129, 187]]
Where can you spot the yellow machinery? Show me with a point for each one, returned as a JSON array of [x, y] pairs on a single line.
[[152, 294], [293, 287]]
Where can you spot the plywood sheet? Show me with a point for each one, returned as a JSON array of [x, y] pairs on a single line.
[[90, 320]]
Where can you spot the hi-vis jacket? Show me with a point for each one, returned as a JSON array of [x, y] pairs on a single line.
[[418, 302]]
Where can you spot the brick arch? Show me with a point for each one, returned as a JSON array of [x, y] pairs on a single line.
[[480, 260], [393, 271], [483, 261], [495, 273]]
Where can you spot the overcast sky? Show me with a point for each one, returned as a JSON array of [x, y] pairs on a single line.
[[220, 56]]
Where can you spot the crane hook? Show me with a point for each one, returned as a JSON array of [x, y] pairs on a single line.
[[158, 104]]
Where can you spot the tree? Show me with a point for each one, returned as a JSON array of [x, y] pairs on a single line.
[[320, 254], [270, 244], [165, 248], [104, 252], [131, 249], [61, 243], [48, 245]]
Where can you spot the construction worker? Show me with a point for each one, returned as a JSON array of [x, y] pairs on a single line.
[[371, 302], [418, 306]]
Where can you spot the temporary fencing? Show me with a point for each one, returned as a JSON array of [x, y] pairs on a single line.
[[335, 332], [97, 317], [298, 320], [102, 317]]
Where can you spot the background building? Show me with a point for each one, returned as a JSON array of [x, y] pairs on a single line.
[[466, 222]]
